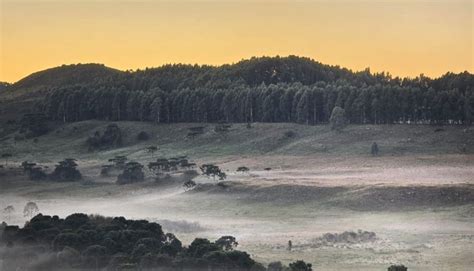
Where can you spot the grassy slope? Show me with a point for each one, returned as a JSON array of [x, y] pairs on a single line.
[[263, 139]]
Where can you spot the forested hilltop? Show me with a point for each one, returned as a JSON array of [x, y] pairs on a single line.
[[266, 89]]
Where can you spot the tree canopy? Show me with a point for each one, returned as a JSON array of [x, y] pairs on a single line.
[[267, 89]]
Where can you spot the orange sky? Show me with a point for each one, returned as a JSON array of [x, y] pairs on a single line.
[[403, 37]]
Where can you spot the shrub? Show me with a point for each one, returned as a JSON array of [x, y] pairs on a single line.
[[143, 136], [397, 268], [243, 169], [213, 171], [289, 134], [112, 137]]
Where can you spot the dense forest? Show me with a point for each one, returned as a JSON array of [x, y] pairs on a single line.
[[267, 89]]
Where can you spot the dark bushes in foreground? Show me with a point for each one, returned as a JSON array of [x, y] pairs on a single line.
[[84, 242]]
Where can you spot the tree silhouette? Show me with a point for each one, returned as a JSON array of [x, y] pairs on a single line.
[[213, 171], [66, 171], [243, 169]]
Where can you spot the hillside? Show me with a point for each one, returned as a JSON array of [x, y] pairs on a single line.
[[262, 139], [304, 182]]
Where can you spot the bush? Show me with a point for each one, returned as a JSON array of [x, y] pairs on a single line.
[[289, 134], [243, 169], [112, 137], [397, 268], [213, 171], [143, 136]]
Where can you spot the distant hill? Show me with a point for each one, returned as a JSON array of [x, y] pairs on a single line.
[[251, 72], [67, 75]]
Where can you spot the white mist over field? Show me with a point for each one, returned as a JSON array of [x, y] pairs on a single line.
[[418, 210]]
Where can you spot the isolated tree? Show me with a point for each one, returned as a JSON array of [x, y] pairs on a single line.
[[213, 171], [66, 171], [30, 210], [243, 169], [338, 118], [374, 150], [6, 156], [8, 211]]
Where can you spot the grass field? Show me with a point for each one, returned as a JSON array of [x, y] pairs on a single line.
[[417, 196]]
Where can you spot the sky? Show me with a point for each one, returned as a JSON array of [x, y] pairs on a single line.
[[402, 37]]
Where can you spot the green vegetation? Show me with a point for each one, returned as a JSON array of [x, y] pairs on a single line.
[[397, 268], [213, 171], [132, 172], [267, 89], [94, 242], [112, 137], [66, 171]]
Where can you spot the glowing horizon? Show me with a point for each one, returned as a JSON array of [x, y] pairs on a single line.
[[404, 38]]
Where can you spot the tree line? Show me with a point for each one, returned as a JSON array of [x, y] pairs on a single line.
[[281, 102], [265, 89]]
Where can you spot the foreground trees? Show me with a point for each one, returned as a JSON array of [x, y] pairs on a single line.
[[93, 242]]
